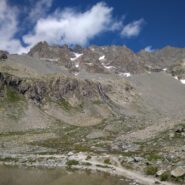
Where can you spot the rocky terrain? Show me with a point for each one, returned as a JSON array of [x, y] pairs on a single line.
[[105, 107]]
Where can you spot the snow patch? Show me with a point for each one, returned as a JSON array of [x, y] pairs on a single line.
[[90, 64], [176, 78], [76, 73], [125, 74], [50, 59], [108, 67], [102, 57], [77, 55], [77, 65], [182, 81], [165, 69]]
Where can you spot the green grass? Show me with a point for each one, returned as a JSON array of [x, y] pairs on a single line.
[[12, 96], [107, 161], [72, 163], [8, 159], [153, 157], [165, 176], [88, 157], [151, 170], [65, 105], [86, 164], [12, 104], [81, 148], [97, 102], [102, 166]]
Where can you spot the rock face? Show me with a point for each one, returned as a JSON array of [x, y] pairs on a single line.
[[3, 55], [55, 88], [56, 54]]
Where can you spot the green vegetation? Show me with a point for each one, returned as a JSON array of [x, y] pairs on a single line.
[[178, 179], [86, 164], [165, 176], [88, 157], [107, 161], [81, 148], [13, 96], [65, 105], [153, 157], [97, 102], [8, 159], [12, 104], [72, 163], [151, 170], [102, 166]]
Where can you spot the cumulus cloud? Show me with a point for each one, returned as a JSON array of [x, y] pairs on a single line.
[[62, 26], [72, 27], [149, 49], [8, 28], [132, 29], [39, 9]]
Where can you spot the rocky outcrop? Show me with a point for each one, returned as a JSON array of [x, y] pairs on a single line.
[[178, 172], [3, 55], [55, 88], [57, 54]]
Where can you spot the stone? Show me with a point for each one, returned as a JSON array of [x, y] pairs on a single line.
[[178, 172], [3, 55], [171, 135], [129, 159], [138, 159], [179, 130], [160, 172]]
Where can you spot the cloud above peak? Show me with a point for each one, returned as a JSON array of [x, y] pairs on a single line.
[[72, 27], [59, 26], [8, 28], [132, 29], [149, 49]]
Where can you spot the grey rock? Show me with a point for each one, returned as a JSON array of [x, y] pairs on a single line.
[[138, 159], [3, 55], [160, 172], [179, 130], [178, 172]]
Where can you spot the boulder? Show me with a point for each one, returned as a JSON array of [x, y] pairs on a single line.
[[3, 55], [178, 172], [160, 172], [138, 159], [179, 130]]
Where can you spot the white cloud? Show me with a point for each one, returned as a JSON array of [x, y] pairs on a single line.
[[8, 28], [132, 29], [66, 26], [39, 9], [72, 27], [149, 49]]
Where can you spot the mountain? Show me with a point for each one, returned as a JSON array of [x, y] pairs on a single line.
[[101, 99]]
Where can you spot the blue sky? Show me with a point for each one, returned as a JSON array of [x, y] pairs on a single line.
[[138, 24]]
